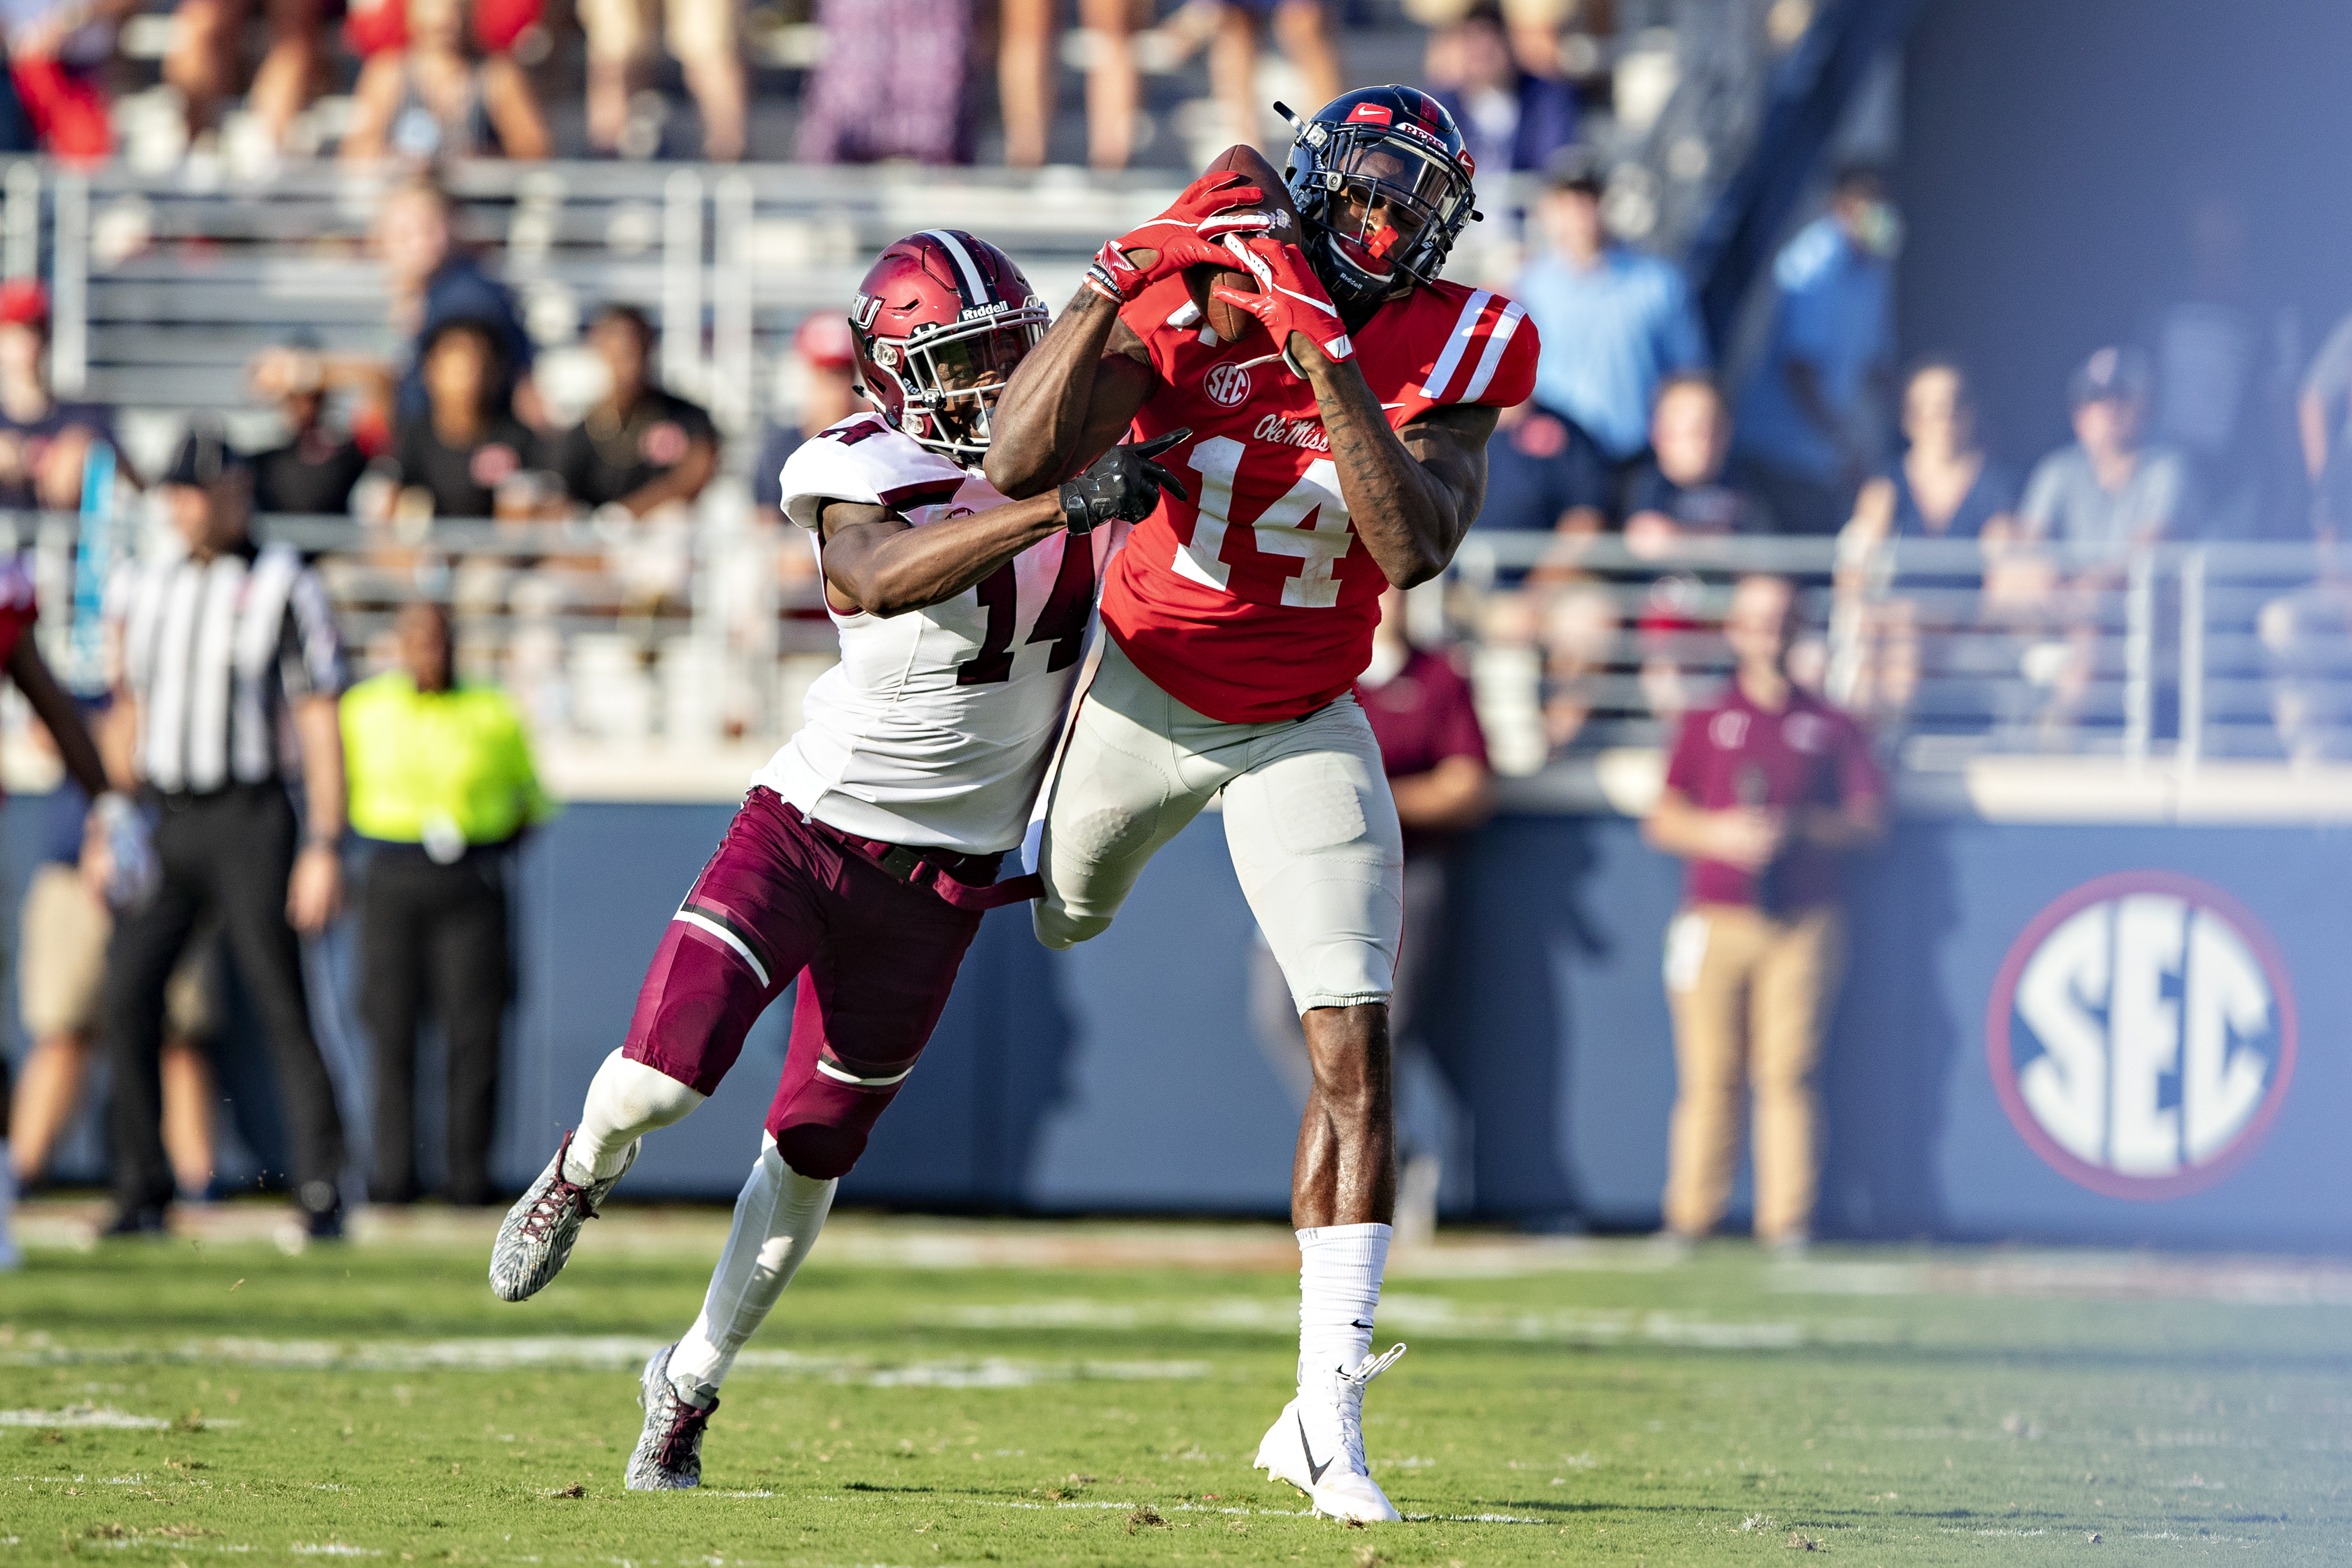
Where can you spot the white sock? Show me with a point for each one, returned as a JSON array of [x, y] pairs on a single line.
[[626, 1100], [777, 1217], [1340, 1268]]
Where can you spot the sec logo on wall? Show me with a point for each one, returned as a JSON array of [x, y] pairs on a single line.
[[2141, 1035]]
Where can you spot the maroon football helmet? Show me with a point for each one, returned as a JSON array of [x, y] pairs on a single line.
[[940, 321]]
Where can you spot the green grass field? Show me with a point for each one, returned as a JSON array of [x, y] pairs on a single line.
[[936, 1392]]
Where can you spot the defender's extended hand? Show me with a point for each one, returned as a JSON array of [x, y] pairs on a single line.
[[1186, 235], [1123, 483]]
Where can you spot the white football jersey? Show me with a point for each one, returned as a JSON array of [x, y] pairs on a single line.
[[936, 725]]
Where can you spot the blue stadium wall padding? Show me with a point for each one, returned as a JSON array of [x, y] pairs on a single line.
[[1124, 1076]]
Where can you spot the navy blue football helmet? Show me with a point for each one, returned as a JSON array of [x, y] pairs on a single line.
[[1382, 183]]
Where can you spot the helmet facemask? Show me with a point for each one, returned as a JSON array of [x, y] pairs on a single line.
[[952, 377], [1381, 211]]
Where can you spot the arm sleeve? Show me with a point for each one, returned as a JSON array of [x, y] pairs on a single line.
[[310, 660], [862, 459], [1515, 376]]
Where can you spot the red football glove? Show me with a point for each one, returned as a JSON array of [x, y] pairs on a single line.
[[1290, 298], [1184, 235]]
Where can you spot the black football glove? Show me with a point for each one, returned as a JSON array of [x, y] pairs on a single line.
[[1123, 483]]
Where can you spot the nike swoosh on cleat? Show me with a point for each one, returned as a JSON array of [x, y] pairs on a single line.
[[1314, 1471]]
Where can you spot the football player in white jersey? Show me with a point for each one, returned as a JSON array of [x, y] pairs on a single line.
[[867, 851]]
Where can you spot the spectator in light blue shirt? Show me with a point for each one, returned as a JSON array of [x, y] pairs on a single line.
[[1615, 322], [1813, 422]]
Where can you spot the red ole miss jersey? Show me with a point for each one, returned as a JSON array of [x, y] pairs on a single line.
[[1254, 601]]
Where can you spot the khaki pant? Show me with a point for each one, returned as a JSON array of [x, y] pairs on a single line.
[[61, 969], [1751, 997]]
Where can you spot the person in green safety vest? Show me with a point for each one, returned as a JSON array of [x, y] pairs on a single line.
[[443, 787]]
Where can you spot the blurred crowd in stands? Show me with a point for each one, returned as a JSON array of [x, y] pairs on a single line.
[[1643, 439], [1631, 434], [426, 80]]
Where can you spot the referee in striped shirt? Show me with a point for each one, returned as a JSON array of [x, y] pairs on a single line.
[[224, 651]]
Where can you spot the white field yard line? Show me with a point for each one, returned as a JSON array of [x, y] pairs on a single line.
[[2087, 1277], [83, 1416], [589, 1352], [1190, 1508], [1429, 1317], [866, 1241]]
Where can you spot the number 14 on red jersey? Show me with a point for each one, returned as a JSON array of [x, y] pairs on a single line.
[[1321, 545]]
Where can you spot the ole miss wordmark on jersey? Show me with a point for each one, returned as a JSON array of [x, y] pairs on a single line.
[[935, 727], [1254, 601]]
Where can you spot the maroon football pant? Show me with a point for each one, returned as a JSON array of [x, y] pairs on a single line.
[[875, 958]]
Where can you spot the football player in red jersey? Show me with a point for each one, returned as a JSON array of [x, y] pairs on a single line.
[[1339, 452]]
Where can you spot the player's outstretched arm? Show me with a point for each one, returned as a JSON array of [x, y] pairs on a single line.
[[1079, 389], [1414, 524], [1072, 397], [885, 566], [878, 563]]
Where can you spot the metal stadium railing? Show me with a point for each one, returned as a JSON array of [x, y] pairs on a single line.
[[2172, 656]]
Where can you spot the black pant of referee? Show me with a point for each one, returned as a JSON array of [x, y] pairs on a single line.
[[230, 852], [428, 928]]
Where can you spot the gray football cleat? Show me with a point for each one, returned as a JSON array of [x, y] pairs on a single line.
[[535, 1238], [668, 1457]]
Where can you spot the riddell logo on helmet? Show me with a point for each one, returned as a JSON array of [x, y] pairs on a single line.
[[1227, 385], [1371, 114]]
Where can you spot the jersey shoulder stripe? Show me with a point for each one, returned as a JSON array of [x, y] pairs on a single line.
[[1458, 339], [1489, 353], [1498, 338], [865, 459]]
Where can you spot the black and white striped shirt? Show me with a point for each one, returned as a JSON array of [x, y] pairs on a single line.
[[215, 651]]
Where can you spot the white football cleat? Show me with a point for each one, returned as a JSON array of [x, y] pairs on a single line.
[[1317, 1444]]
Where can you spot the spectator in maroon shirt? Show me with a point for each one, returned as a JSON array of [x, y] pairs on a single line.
[[1768, 789], [1434, 754]]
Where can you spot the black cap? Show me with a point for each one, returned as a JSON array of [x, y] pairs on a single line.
[[2120, 373], [204, 457], [1577, 168]]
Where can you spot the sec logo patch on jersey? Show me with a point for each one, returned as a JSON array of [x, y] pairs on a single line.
[[2142, 1034], [1226, 385]]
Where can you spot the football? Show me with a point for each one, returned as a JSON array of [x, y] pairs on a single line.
[[1230, 324]]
